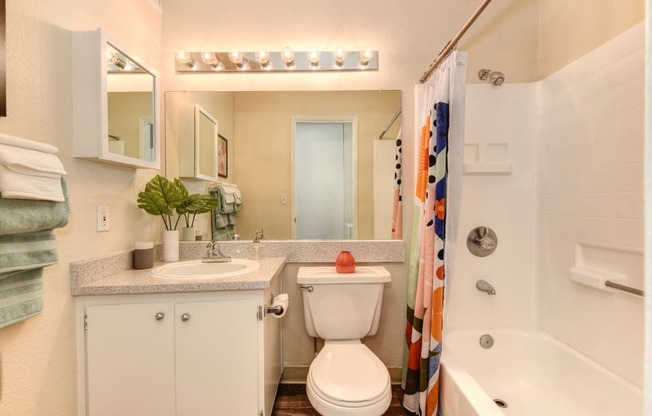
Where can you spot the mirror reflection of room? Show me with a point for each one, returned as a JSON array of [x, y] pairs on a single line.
[[130, 91], [261, 128]]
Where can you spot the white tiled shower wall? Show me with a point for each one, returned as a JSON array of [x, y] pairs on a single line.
[[502, 119], [589, 187], [575, 142]]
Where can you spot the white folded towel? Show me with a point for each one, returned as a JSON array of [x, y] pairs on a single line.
[[15, 185], [31, 162], [27, 144]]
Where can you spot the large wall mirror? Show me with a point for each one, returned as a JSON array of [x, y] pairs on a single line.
[[284, 145]]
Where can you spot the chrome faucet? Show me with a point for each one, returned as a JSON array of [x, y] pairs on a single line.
[[484, 286], [484, 240], [214, 254]]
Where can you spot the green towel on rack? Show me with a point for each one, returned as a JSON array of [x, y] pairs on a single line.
[[27, 215], [20, 295], [27, 251]]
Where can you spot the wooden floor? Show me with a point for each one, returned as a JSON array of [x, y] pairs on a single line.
[[291, 400]]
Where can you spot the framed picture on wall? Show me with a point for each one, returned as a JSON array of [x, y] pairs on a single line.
[[222, 156]]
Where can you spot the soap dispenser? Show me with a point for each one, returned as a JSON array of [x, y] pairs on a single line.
[[260, 234]]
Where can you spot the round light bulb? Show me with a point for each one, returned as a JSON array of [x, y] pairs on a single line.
[[287, 55], [366, 56], [339, 55], [209, 58], [184, 57], [115, 60], [263, 58], [313, 56], [236, 57]]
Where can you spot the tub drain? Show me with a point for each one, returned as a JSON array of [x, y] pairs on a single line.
[[500, 403], [486, 341]]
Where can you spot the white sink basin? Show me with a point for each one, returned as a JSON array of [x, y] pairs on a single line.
[[196, 269]]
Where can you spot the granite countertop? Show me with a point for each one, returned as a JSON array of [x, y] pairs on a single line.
[[114, 274], [88, 279]]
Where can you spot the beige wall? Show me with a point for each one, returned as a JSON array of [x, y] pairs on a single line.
[[263, 151], [571, 29], [38, 362]]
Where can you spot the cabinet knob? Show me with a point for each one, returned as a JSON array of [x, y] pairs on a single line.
[[185, 317], [159, 316]]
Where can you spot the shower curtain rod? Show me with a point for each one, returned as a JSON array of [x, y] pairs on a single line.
[[398, 113], [453, 42]]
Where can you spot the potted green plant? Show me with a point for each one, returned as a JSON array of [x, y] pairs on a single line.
[[162, 197], [169, 198]]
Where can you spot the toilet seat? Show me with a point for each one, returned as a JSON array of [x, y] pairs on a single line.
[[347, 374]]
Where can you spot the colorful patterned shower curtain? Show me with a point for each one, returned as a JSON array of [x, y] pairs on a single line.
[[438, 100]]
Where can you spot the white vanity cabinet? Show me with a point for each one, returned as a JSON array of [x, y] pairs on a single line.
[[183, 354]]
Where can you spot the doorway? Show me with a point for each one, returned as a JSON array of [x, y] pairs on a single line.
[[324, 179]]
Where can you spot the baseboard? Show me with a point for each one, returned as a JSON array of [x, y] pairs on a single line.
[[298, 375]]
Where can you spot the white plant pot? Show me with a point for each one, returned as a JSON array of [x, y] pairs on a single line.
[[188, 234], [171, 245]]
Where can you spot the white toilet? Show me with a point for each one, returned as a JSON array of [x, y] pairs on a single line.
[[345, 378]]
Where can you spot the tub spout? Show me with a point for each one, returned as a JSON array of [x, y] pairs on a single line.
[[484, 286]]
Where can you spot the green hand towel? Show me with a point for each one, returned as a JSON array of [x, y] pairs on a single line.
[[27, 215], [20, 295], [27, 251]]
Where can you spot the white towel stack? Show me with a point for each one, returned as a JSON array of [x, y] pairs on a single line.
[[29, 170]]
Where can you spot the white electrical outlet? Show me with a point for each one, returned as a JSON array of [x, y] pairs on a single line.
[[103, 218]]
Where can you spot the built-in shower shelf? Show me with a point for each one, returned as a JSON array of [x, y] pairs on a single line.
[[484, 159], [487, 168], [597, 264], [596, 278]]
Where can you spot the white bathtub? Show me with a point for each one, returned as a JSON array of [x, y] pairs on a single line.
[[533, 373]]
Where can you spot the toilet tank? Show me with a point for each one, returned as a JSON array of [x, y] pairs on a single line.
[[342, 305]]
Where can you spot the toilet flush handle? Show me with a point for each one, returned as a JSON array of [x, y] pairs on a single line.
[[308, 288]]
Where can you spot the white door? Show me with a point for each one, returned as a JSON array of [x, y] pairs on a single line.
[[217, 358], [130, 359], [320, 180]]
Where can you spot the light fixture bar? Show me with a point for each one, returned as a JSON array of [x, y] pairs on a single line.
[[354, 61]]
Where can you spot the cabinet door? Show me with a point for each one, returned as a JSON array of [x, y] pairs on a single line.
[[130, 360], [217, 358]]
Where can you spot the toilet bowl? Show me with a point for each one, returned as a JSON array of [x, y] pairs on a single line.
[[345, 378]]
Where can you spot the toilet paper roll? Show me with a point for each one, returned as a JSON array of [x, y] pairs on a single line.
[[283, 301]]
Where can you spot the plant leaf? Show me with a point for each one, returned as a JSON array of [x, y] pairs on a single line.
[[162, 187], [153, 204]]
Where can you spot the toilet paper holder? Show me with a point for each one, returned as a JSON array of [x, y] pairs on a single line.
[[274, 309]]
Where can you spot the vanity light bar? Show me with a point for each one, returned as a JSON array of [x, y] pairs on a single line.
[[280, 61]]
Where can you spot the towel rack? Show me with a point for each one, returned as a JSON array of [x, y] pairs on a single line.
[[623, 288]]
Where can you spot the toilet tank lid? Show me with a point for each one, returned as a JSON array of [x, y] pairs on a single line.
[[328, 275]]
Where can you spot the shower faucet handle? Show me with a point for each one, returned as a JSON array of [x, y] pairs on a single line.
[[482, 241]]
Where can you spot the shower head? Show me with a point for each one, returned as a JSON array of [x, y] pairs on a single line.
[[496, 78]]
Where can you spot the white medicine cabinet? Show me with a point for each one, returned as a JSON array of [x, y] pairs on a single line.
[[198, 144], [115, 111]]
